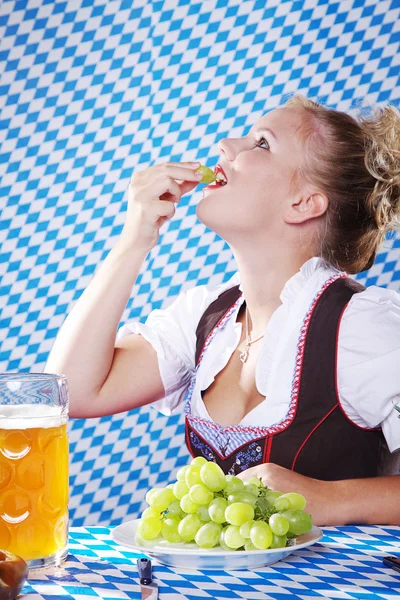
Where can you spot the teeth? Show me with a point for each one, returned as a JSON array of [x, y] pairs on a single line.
[[220, 177]]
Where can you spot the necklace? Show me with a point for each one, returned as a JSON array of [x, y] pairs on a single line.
[[245, 353]]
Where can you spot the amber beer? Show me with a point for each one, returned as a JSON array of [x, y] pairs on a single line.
[[34, 482]]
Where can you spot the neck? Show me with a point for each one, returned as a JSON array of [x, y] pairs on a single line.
[[262, 280]]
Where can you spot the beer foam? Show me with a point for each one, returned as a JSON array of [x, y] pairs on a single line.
[[28, 416]]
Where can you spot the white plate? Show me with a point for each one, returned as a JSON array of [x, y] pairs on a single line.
[[189, 556]]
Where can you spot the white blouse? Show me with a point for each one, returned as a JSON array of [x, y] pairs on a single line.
[[368, 353]]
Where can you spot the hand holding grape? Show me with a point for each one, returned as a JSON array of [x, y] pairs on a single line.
[[152, 196], [322, 497]]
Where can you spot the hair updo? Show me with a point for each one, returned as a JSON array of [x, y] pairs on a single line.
[[356, 163]]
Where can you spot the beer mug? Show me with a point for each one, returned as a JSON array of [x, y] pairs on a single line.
[[34, 467]]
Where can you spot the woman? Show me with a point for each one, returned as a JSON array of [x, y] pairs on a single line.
[[291, 370]]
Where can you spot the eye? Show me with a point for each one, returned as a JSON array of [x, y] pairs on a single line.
[[260, 141]]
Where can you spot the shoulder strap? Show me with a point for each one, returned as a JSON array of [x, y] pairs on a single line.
[[213, 314], [317, 382], [320, 434], [353, 285]]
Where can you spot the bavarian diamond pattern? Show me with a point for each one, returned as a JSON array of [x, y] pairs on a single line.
[[345, 564], [91, 90]]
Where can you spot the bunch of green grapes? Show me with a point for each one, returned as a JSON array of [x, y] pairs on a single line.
[[210, 508]]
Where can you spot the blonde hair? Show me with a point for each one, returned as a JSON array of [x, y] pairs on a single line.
[[356, 163]]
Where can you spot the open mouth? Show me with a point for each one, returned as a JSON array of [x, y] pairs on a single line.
[[216, 184], [220, 178]]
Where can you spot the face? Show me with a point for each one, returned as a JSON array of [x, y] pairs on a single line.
[[259, 168]]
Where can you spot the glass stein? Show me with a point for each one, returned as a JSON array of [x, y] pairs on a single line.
[[34, 467]]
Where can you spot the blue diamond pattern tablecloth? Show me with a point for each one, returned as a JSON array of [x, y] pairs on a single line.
[[91, 90], [345, 564]]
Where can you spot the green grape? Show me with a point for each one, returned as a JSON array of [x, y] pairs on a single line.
[[208, 535], [242, 497], [255, 481], [279, 525], [198, 461], [278, 541], [149, 528], [208, 174], [282, 503], [170, 485], [251, 488], [233, 484], [249, 546], [213, 476], [162, 498], [169, 530], [201, 494], [271, 496], [150, 512], [222, 542], [189, 526], [181, 473], [299, 521], [151, 493], [175, 508], [245, 529], [261, 535], [232, 537], [192, 476], [203, 513], [187, 505], [238, 513], [217, 509], [296, 501], [180, 489]]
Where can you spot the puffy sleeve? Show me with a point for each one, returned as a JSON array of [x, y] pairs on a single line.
[[172, 333], [369, 361]]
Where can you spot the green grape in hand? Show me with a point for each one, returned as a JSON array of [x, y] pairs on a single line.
[[208, 174]]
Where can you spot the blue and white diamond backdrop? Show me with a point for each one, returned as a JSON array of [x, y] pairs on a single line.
[[91, 90]]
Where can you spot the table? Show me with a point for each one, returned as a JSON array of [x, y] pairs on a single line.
[[346, 563]]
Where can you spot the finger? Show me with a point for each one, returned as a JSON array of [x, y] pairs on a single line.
[[187, 186], [166, 188], [163, 209], [181, 172], [251, 472], [192, 164]]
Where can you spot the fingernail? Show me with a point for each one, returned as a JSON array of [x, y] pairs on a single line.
[[195, 164], [199, 175]]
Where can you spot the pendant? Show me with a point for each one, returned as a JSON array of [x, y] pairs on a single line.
[[245, 353]]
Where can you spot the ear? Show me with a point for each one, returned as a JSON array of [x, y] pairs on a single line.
[[305, 207]]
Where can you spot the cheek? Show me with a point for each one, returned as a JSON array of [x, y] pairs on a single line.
[[250, 203], [261, 204]]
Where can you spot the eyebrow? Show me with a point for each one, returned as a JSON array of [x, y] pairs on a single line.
[[262, 129]]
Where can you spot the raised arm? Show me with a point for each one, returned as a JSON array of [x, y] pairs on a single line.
[[105, 377]]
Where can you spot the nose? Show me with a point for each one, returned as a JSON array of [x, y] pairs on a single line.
[[229, 147]]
